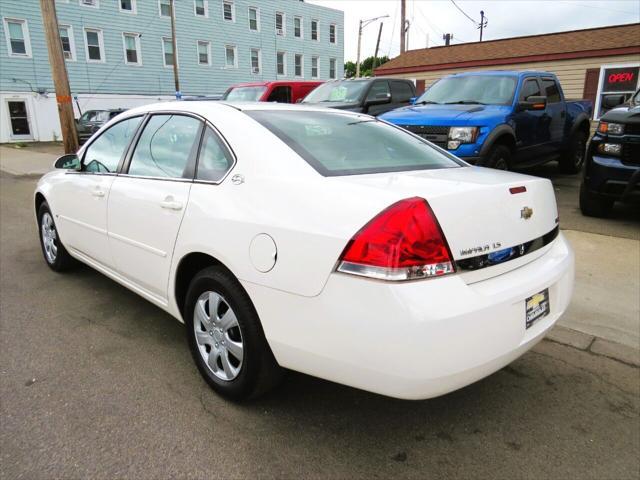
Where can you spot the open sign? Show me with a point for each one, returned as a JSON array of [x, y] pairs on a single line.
[[620, 79]]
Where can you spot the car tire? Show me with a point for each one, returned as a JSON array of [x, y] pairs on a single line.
[[594, 205], [211, 332], [499, 157], [573, 159], [56, 256]]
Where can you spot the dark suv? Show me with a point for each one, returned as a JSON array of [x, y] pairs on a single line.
[[612, 168], [91, 121], [373, 96]]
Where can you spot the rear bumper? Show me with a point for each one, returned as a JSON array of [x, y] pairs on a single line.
[[418, 339]]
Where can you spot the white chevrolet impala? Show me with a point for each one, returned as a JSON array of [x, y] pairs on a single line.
[[317, 240]]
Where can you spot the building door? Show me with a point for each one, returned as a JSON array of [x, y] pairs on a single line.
[[19, 119]]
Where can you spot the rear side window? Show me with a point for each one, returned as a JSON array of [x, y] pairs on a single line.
[[104, 154], [215, 159], [341, 144], [530, 88], [401, 91], [166, 146], [551, 90]]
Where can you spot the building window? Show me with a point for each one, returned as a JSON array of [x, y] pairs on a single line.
[[68, 43], [201, 8], [256, 60], [90, 3], [280, 24], [165, 8], [128, 6], [332, 33], [298, 65], [228, 11], [621, 79], [17, 34], [281, 63], [254, 19], [132, 49], [167, 52], [297, 27], [230, 56], [314, 30], [314, 67], [332, 68], [204, 52], [94, 44]]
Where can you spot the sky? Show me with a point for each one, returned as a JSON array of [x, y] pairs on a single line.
[[506, 18]]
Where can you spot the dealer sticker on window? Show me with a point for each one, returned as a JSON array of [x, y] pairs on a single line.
[[537, 307]]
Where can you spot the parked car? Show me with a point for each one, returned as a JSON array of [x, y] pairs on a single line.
[[332, 243], [373, 96], [281, 92], [612, 169], [91, 121], [501, 119]]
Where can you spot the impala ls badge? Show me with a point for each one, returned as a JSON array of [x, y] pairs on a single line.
[[526, 213]]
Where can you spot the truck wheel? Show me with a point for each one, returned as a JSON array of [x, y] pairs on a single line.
[[572, 160], [594, 205], [499, 157]]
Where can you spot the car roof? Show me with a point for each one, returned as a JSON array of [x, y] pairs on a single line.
[[279, 82], [509, 73]]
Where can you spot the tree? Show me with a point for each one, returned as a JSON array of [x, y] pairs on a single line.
[[366, 67]]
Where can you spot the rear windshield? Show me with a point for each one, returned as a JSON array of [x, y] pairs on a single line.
[[335, 143], [244, 94]]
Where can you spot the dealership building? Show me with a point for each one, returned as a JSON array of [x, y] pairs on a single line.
[[589, 63], [119, 53]]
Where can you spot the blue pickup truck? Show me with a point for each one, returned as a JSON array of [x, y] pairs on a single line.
[[501, 119]]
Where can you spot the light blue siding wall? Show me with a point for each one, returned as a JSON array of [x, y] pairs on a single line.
[[152, 77]]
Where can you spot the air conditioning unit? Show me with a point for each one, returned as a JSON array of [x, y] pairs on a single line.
[[91, 3], [255, 69], [67, 55], [279, 31]]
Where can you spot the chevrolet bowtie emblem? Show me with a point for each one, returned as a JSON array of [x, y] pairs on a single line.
[[526, 213]]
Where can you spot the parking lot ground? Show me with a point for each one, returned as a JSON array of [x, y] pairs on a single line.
[[95, 382]]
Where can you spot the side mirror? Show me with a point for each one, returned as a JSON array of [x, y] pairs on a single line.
[[534, 103], [379, 99], [611, 101], [413, 100], [300, 100], [68, 162]]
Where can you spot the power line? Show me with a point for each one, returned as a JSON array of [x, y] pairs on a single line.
[[463, 12]]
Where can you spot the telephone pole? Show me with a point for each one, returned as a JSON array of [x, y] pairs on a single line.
[[174, 45], [375, 57], [482, 23], [59, 74], [364, 23], [403, 13]]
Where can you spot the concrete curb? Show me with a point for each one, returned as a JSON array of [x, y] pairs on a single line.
[[595, 345]]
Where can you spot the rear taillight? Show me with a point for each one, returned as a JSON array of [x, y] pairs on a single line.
[[404, 242]]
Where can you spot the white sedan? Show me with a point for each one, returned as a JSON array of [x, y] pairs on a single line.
[[317, 240]]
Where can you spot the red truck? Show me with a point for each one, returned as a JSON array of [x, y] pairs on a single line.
[[281, 92]]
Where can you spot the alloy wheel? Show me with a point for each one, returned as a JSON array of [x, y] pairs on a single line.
[[218, 335], [49, 237]]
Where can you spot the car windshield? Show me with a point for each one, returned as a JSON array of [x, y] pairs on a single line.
[[471, 89], [350, 91], [335, 143], [244, 94]]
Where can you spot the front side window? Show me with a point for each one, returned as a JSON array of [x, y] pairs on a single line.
[[550, 88], [297, 27], [298, 65], [314, 30], [253, 19], [66, 38], [335, 143], [378, 90], [255, 60], [280, 23], [165, 8], [203, 52], [281, 63], [94, 45], [332, 33], [167, 50], [472, 89], [167, 144], [230, 56], [314, 67], [215, 160], [201, 8], [401, 92], [132, 48], [17, 38], [530, 88], [228, 11], [106, 151], [332, 68]]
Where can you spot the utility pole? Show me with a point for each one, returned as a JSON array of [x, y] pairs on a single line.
[[375, 57], [403, 13], [174, 45], [447, 37], [482, 24], [364, 23], [59, 74]]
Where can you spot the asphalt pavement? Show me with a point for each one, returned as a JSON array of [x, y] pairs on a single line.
[[95, 382]]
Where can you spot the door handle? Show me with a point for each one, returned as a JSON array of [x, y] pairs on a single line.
[[171, 205], [97, 192]]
